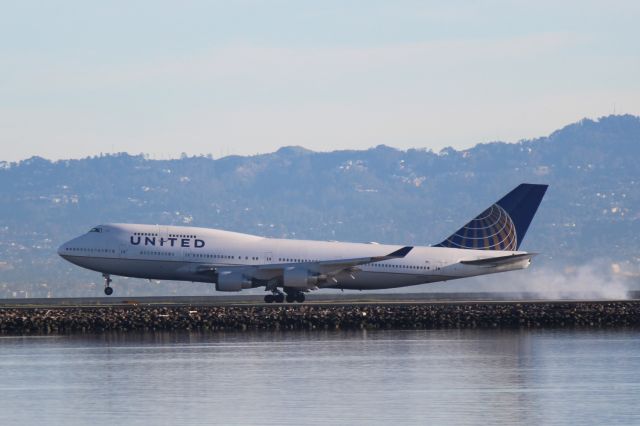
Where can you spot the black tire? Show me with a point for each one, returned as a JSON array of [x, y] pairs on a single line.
[[279, 298], [291, 298], [300, 297], [269, 298], [108, 291]]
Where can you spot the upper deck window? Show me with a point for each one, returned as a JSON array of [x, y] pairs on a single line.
[[96, 229]]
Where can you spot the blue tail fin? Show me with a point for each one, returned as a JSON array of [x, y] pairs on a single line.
[[503, 225]]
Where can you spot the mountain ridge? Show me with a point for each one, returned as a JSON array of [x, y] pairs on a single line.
[[384, 194]]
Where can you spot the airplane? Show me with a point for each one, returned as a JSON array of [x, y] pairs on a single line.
[[233, 261]]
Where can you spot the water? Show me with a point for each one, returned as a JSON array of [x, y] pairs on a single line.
[[381, 377]]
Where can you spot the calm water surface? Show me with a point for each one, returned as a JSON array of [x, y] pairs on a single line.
[[381, 377]]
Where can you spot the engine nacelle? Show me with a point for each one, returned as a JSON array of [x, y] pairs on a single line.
[[232, 281], [301, 278]]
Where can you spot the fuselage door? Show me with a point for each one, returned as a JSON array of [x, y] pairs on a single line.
[[268, 257], [123, 250], [163, 231]]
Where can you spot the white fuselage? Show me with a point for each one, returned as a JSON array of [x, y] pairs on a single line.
[[181, 253]]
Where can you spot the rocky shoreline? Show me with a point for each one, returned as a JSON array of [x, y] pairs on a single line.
[[18, 321]]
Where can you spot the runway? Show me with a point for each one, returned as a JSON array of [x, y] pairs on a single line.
[[333, 299]]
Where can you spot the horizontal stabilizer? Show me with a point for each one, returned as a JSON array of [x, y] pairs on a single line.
[[501, 260]]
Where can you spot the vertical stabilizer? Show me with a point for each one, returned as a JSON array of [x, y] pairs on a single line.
[[503, 225]]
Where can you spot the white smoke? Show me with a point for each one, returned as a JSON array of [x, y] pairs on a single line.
[[595, 281], [598, 280]]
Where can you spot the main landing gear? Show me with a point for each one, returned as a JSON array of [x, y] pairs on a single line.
[[298, 296], [108, 290], [279, 297]]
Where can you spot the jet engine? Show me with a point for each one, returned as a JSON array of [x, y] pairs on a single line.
[[301, 278], [232, 281]]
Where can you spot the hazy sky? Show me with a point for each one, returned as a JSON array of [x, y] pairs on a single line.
[[240, 77]]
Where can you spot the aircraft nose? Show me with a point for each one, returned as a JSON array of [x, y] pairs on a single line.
[[62, 249]]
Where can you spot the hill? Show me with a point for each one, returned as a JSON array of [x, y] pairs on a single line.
[[591, 211]]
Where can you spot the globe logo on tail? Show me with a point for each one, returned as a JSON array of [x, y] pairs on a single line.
[[492, 229]]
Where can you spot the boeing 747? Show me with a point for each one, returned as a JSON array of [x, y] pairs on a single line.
[[232, 261]]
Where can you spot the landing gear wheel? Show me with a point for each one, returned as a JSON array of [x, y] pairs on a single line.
[[291, 298], [300, 297], [269, 298], [107, 280], [279, 298]]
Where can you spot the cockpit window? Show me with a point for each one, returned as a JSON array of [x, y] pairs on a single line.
[[96, 229]]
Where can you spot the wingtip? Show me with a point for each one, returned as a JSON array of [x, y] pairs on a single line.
[[401, 252]]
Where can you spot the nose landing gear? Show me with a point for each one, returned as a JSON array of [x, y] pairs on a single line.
[[107, 289]]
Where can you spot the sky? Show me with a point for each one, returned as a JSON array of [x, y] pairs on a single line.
[[80, 78]]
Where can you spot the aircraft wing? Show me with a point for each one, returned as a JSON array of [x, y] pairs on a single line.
[[329, 267], [334, 266]]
